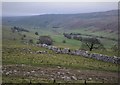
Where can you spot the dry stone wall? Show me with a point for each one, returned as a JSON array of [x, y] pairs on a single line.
[[105, 58]]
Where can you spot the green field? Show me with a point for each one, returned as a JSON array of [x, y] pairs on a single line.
[[13, 54], [58, 38]]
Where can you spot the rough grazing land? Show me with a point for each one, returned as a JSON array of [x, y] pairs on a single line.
[[59, 74], [23, 63]]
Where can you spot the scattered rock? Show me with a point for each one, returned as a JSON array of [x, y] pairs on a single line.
[[68, 72], [31, 52], [41, 52], [32, 71], [15, 71], [28, 72], [58, 73], [62, 73], [7, 73], [80, 78], [96, 78], [36, 75], [52, 79], [42, 72], [90, 78], [66, 78], [74, 78], [52, 75], [58, 67], [79, 71]]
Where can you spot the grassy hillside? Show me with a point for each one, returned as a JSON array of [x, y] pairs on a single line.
[[22, 63], [20, 60], [57, 36], [98, 21]]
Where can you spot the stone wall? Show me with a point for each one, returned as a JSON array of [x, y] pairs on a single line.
[[105, 58]]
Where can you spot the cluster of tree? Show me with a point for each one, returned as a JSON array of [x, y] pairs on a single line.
[[67, 35], [45, 40], [76, 34], [72, 36], [18, 29], [90, 42], [36, 33], [76, 37]]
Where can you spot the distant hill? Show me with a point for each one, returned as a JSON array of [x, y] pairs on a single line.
[[107, 21]]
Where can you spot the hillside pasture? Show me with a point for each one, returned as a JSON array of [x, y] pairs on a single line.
[[17, 54]]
